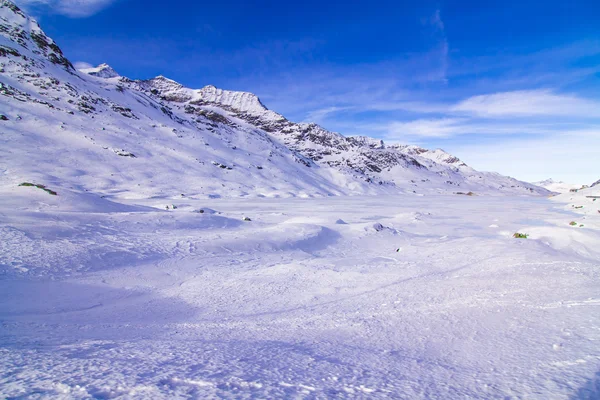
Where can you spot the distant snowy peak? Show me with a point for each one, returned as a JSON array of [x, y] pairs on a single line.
[[438, 156], [18, 28], [239, 101], [557, 186], [101, 71], [595, 183], [547, 182], [367, 141]]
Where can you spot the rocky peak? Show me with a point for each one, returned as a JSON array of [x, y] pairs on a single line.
[[368, 142], [438, 155], [441, 156], [18, 28], [101, 71], [167, 89], [546, 182], [238, 101]]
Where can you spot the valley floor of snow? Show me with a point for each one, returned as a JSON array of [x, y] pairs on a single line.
[[340, 297]]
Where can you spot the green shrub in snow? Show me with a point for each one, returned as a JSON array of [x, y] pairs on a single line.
[[28, 184]]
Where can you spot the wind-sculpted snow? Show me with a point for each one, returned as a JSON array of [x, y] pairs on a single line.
[[378, 297]]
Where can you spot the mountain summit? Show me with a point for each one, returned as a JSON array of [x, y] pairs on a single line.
[[102, 71]]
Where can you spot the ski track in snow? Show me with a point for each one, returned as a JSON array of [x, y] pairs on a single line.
[[298, 304]]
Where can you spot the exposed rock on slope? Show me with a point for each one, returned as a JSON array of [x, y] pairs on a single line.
[[362, 157]]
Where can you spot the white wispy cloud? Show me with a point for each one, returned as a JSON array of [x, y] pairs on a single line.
[[428, 128], [69, 8], [321, 114], [82, 65], [446, 129], [524, 112], [570, 156], [528, 103], [443, 47], [436, 20], [517, 87]]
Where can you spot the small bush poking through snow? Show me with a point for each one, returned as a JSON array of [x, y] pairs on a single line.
[[206, 211], [246, 219], [521, 235], [28, 184], [573, 223]]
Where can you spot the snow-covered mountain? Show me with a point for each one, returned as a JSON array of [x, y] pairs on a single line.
[[101, 71], [94, 130], [557, 186]]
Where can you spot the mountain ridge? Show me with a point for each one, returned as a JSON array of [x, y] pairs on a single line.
[[208, 141]]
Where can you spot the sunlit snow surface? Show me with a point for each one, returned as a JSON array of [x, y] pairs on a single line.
[[348, 297]]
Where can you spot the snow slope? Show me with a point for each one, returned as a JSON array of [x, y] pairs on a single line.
[[346, 297]]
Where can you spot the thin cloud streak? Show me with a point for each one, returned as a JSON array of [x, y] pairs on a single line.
[[82, 65], [535, 159], [460, 118], [528, 103], [69, 8], [448, 129]]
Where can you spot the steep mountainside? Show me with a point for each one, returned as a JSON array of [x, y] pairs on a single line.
[[93, 130]]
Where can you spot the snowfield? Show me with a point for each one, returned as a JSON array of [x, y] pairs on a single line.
[[357, 297]]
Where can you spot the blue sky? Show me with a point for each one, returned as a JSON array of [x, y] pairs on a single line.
[[509, 86]]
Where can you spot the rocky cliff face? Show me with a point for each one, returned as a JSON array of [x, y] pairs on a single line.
[[17, 28]]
